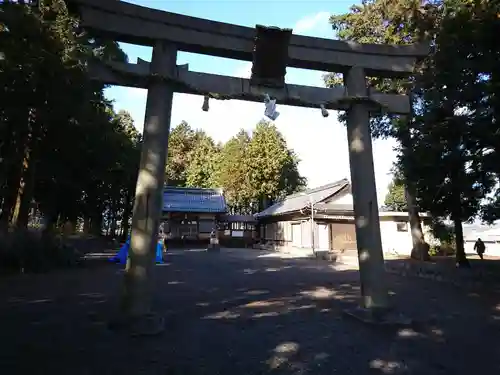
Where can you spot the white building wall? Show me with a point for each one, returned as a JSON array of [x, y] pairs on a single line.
[[492, 248], [490, 237], [394, 241], [345, 199]]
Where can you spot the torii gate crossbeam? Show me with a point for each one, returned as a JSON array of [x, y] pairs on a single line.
[[145, 26]]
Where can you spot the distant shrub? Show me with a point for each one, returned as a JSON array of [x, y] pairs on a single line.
[[30, 251], [444, 249]]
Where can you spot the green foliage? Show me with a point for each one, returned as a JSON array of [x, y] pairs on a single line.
[[232, 172], [395, 199], [449, 146], [442, 231], [61, 144], [180, 145], [67, 153], [203, 163], [272, 167], [386, 22], [192, 158], [250, 168]]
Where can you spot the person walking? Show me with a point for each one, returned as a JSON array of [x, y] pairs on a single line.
[[480, 248]]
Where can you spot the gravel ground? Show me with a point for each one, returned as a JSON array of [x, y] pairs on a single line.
[[238, 313]]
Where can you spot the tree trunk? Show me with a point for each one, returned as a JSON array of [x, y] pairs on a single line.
[[461, 258], [51, 217], [420, 249], [97, 224], [108, 222], [113, 226], [10, 198], [25, 192], [26, 199], [457, 173], [14, 173], [114, 217], [127, 212], [17, 206], [86, 225], [456, 216]]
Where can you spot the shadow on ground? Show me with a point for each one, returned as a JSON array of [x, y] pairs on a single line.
[[231, 313]]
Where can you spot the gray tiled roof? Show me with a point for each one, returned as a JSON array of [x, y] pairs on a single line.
[[177, 199], [299, 201]]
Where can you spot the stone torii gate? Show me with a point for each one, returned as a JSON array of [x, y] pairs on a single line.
[[271, 50]]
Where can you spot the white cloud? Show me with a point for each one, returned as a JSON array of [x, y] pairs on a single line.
[[311, 22], [244, 71]]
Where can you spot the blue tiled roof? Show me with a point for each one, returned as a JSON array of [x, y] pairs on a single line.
[[176, 199]]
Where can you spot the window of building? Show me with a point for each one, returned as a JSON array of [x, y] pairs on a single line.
[[223, 226], [242, 226], [237, 226], [402, 227]]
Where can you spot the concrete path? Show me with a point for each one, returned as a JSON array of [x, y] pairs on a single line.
[[239, 312]]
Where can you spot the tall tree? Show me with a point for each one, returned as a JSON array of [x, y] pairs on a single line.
[[251, 169], [403, 22], [391, 22], [451, 138], [203, 162], [395, 199], [180, 144], [67, 149], [272, 166], [232, 173], [457, 76]]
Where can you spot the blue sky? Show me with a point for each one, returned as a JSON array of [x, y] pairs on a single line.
[[321, 143]]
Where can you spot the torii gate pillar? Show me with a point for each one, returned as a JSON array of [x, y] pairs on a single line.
[[136, 298], [364, 192]]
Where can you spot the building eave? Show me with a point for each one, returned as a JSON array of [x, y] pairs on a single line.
[[341, 214]]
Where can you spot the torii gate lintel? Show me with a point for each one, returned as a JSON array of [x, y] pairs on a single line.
[[225, 87]]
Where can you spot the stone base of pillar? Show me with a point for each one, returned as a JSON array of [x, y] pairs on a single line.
[[146, 325], [379, 317]]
